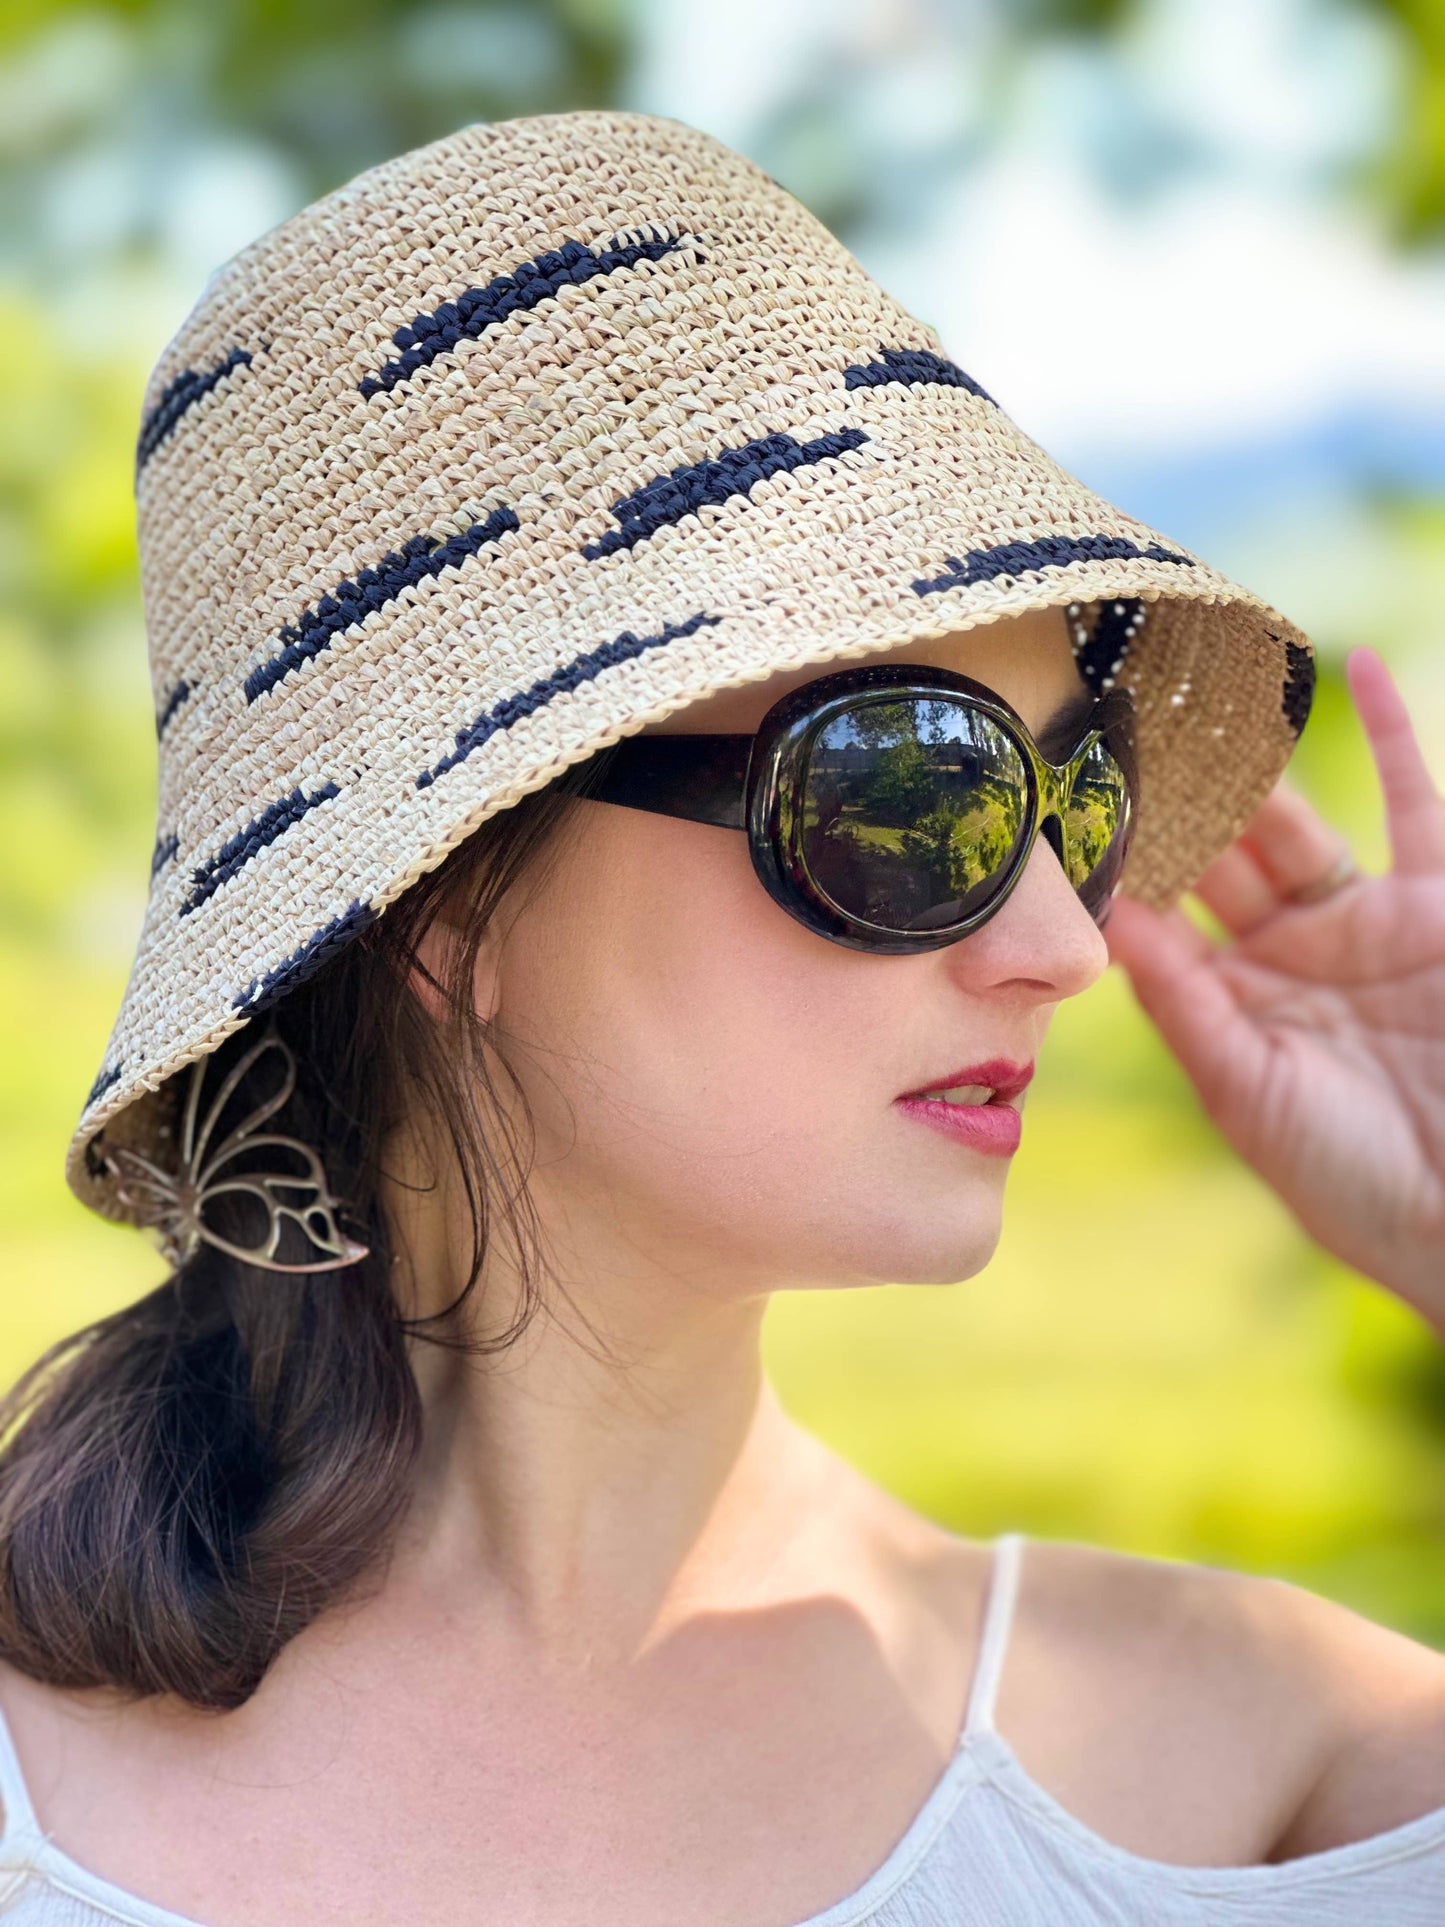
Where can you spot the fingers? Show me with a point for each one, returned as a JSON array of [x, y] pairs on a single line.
[[1285, 845], [1237, 890], [1136, 933], [1171, 968], [1414, 808]]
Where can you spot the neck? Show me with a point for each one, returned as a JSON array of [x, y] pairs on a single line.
[[621, 1463]]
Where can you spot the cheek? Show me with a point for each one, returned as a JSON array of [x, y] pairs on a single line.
[[693, 1032]]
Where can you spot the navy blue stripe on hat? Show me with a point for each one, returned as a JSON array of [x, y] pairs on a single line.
[[236, 852], [305, 960], [171, 704], [352, 601], [179, 395], [512, 708], [1049, 552], [428, 335], [912, 365], [108, 1078], [1297, 697], [165, 849], [666, 499]]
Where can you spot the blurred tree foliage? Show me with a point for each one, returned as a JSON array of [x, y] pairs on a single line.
[[1410, 176], [336, 92]]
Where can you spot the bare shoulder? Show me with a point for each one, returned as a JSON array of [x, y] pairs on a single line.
[[1383, 1760], [1191, 1712], [1353, 1712], [64, 1741], [1187, 1710], [31, 1713]]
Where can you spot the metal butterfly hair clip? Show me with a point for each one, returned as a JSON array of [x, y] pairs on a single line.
[[174, 1203]]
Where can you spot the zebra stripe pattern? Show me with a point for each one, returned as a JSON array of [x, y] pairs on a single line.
[[914, 365], [1048, 552], [172, 703], [108, 1078], [351, 601], [512, 708], [236, 852], [304, 961], [1299, 686], [180, 395], [682, 491], [426, 336]]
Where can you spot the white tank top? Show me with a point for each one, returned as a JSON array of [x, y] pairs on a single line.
[[988, 1848]]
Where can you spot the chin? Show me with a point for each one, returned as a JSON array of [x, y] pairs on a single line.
[[927, 1250], [947, 1269]]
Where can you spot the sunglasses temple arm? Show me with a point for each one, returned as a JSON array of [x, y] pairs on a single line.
[[699, 777]]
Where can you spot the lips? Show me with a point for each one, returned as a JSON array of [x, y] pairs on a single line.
[[1001, 1074]]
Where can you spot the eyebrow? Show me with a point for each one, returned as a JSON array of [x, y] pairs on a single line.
[[1063, 728]]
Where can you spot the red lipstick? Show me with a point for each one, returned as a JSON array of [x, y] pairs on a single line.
[[994, 1127]]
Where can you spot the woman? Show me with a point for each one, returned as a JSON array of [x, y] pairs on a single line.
[[645, 746]]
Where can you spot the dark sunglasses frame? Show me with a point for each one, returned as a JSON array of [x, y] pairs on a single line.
[[755, 783]]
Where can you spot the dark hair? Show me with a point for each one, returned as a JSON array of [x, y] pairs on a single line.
[[188, 1482]]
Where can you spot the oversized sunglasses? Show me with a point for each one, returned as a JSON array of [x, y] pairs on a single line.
[[894, 809]]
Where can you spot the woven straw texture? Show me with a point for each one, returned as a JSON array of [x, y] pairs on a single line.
[[532, 437]]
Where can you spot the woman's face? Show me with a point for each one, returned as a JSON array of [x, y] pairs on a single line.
[[717, 1087]]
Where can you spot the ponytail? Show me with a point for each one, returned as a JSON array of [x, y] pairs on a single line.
[[194, 1477], [187, 1483]]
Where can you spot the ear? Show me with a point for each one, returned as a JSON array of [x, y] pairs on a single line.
[[437, 953]]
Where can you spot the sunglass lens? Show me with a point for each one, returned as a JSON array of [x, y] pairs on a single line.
[[913, 810], [1097, 827]]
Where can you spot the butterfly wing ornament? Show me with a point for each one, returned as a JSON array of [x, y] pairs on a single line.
[[288, 1187]]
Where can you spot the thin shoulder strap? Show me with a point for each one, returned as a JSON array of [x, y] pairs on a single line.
[[19, 1813], [998, 1616]]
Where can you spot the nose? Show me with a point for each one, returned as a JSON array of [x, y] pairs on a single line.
[[1041, 936]]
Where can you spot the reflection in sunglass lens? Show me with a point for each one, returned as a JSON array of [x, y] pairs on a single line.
[[912, 810], [1095, 825]]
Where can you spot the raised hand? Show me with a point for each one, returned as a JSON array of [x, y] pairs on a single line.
[[1315, 1036]]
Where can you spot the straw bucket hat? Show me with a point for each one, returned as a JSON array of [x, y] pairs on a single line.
[[527, 439]]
